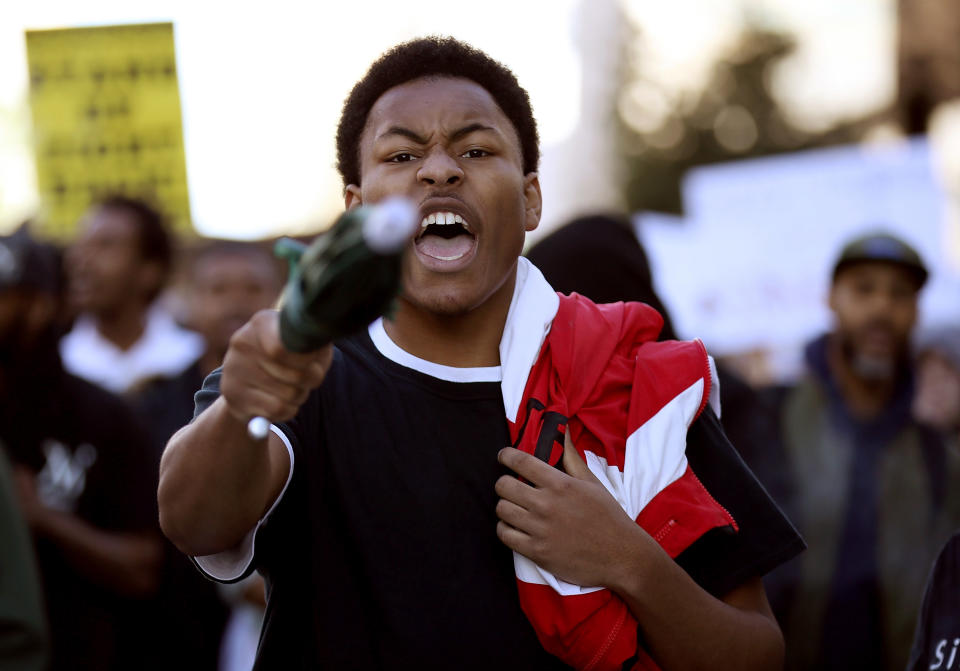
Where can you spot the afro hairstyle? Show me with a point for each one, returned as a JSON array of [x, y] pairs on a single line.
[[433, 57]]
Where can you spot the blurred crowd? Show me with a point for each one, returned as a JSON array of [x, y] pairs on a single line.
[[103, 344]]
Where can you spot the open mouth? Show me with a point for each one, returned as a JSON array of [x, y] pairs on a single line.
[[444, 236]]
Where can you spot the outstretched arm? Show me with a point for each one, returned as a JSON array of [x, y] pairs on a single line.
[[570, 525], [215, 481]]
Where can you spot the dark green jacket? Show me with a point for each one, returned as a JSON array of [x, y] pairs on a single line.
[[875, 501], [23, 629]]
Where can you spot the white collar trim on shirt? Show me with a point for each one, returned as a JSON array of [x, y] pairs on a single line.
[[532, 309], [392, 351]]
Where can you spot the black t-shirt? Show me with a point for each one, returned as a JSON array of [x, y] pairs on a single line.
[[93, 460], [187, 612], [383, 550], [936, 642], [166, 404]]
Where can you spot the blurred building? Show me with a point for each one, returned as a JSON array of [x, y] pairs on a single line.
[[582, 173]]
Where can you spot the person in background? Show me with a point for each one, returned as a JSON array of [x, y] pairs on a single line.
[[870, 488], [937, 398], [600, 257], [24, 640], [225, 283], [117, 268], [936, 641], [83, 473]]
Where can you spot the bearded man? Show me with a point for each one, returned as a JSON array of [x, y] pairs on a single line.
[[868, 486]]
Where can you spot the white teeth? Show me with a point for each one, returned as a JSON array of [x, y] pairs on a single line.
[[443, 219]]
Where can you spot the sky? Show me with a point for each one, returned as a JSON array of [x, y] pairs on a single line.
[[261, 92]]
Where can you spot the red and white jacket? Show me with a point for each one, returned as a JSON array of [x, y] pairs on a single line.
[[627, 402]]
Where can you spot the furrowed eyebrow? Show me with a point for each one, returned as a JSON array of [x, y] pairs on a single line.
[[403, 132], [466, 130], [458, 134]]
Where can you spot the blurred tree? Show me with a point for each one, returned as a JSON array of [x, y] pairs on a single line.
[[663, 134], [928, 59]]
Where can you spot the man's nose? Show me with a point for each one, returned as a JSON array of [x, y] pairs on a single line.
[[438, 167], [881, 302]]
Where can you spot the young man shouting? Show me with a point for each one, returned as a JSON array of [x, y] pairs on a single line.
[[383, 509]]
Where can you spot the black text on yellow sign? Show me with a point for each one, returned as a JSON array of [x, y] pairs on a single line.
[[106, 120]]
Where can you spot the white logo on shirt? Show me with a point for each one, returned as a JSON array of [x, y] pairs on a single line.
[[64, 476], [938, 651]]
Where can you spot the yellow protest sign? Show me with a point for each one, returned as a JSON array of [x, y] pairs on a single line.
[[106, 120]]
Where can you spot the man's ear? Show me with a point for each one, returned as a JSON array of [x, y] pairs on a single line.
[[352, 197], [534, 200]]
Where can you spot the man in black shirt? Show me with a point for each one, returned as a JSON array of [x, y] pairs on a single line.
[[937, 637], [375, 506], [83, 472]]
